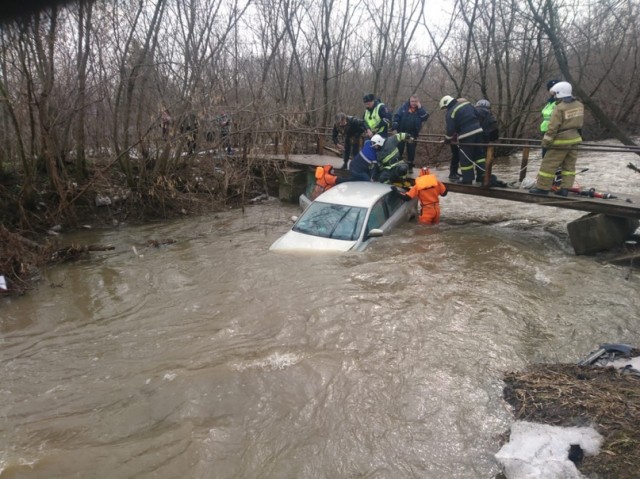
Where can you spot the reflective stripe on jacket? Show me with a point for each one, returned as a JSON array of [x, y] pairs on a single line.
[[389, 154], [567, 118], [375, 120], [461, 120]]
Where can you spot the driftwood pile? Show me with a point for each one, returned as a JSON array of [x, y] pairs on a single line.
[[20, 259]]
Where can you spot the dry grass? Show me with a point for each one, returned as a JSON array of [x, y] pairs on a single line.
[[571, 395]]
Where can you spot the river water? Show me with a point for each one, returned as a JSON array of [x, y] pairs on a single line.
[[215, 358]]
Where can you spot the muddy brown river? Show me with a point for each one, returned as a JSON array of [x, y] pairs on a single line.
[[215, 358]]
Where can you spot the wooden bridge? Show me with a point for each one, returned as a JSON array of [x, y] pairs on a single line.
[[622, 205], [609, 222]]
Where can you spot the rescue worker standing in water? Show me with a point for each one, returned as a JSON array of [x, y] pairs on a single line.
[[376, 116], [564, 129], [428, 189], [325, 180], [462, 121]]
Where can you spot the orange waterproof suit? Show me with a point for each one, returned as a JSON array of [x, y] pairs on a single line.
[[324, 180], [428, 189]]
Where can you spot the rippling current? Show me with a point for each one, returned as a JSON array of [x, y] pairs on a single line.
[[216, 358]]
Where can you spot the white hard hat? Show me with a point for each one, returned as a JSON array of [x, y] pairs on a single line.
[[377, 140], [445, 100], [483, 103], [561, 89]]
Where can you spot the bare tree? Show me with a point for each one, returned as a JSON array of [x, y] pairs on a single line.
[[546, 15]]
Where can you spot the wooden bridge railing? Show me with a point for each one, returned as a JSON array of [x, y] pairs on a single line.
[[317, 139]]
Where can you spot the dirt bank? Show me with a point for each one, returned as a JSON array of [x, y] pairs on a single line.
[[570, 395]]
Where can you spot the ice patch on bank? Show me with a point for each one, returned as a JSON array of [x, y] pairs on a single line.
[[540, 451]]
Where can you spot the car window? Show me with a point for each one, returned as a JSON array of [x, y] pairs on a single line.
[[331, 221], [378, 215], [393, 202]]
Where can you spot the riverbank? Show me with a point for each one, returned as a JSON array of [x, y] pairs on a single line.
[[30, 229], [568, 395]]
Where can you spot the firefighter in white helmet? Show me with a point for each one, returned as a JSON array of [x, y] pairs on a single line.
[[561, 140], [462, 125]]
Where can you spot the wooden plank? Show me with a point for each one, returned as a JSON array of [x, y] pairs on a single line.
[[625, 205], [614, 207], [524, 164]]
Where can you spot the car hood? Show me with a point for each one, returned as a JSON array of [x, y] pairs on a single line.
[[294, 241]]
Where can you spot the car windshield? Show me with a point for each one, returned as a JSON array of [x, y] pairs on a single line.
[[331, 221]]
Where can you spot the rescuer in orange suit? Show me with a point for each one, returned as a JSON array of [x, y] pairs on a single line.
[[428, 189], [325, 179]]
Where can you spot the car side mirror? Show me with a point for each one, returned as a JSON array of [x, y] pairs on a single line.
[[294, 219], [375, 233]]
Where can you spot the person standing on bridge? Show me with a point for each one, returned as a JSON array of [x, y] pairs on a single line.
[[563, 132], [462, 122], [428, 189], [376, 116], [547, 109], [487, 121], [409, 119], [351, 129]]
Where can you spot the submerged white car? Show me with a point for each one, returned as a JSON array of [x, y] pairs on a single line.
[[347, 217]]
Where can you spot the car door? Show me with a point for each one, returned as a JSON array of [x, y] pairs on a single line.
[[377, 217], [398, 210]]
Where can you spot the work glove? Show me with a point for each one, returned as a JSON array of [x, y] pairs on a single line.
[[410, 139], [447, 141], [405, 197], [395, 188]]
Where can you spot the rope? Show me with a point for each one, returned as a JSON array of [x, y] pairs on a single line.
[[470, 160]]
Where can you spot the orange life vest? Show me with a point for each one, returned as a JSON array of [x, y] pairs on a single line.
[[428, 190], [324, 180]]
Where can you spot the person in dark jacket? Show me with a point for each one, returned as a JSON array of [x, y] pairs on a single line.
[[462, 122], [376, 116], [488, 122], [364, 165], [391, 168], [350, 129], [409, 119]]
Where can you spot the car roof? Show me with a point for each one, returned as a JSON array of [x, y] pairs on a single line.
[[362, 194]]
